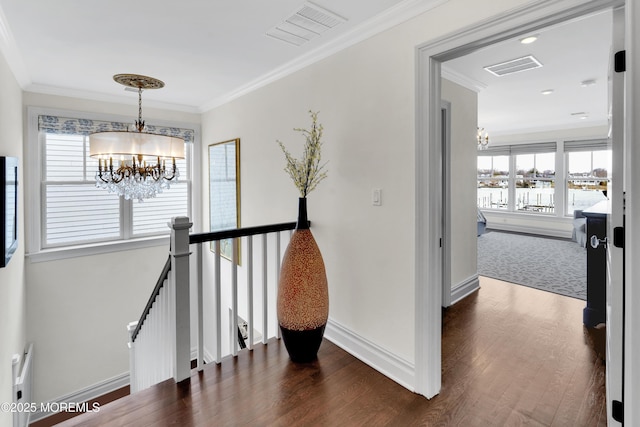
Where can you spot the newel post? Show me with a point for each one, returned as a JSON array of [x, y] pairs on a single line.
[[179, 276]]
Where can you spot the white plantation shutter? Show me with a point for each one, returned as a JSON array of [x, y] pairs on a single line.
[[79, 214], [152, 215], [75, 212]]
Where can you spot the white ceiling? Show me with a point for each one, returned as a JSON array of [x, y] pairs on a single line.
[[570, 54], [206, 51], [210, 51]]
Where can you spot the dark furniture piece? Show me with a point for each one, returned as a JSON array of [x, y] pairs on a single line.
[[595, 311]]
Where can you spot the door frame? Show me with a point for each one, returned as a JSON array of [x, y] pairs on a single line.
[[429, 155], [445, 123]]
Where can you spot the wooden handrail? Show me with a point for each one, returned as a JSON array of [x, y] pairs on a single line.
[[241, 232], [208, 237], [152, 298]]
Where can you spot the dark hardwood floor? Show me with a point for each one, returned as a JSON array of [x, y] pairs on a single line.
[[511, 356]]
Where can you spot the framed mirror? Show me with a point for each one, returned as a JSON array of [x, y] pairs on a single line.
[[224, 192]]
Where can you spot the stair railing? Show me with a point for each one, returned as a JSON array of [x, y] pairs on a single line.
[[160, 342]]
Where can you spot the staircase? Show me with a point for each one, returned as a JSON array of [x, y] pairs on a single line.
[[245, 284]]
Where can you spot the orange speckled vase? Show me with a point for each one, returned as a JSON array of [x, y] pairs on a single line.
[[303, 294]]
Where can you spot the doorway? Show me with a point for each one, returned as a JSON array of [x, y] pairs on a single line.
[[429, 200], [544, 103]]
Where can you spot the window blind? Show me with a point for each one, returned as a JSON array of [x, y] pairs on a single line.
[[79, 213], [587, 145], [505, 150], [543, 147]]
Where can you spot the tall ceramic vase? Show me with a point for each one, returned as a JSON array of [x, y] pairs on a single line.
[[303, 295]]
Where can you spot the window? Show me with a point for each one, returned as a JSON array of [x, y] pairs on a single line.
[[74, 211], [523, 177], [517, 178], [535, 175], [588, 173], [493, 182]]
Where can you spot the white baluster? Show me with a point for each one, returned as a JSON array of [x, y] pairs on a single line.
[[217, 306], [250, 291], [200, 250], [277, 278], [234, 297], [265, 298]]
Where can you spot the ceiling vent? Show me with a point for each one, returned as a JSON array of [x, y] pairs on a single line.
[[308, 22], [514, 66]]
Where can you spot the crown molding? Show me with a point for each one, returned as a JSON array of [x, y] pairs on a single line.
[[462, 80], [9, 49], [393, 16], [103, 97]]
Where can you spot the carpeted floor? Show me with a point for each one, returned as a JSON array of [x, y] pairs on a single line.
[[558, 266]]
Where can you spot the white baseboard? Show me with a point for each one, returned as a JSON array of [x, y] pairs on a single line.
[[86, 394], [542, 231], [465, 288], [390, 365], [104, 387]]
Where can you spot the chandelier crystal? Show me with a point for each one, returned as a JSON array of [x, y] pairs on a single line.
[[483, 139], [136, 164]]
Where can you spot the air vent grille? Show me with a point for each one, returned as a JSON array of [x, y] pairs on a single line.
[[308, 22], [514, 66]]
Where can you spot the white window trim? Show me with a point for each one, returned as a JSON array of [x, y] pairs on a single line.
[[560, 197], [33, 192]]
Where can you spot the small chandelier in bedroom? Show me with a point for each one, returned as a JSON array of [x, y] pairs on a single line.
[[483, 139], [136, 163]]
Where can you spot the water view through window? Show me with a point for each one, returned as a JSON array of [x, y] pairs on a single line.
[[534, 177]]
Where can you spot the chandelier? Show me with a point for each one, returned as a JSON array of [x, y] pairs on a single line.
[[483, 139], [135, 163]]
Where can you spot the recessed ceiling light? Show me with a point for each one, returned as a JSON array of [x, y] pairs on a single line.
[[547, 92], [528, 40]]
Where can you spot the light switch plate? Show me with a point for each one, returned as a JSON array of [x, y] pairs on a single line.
[[376, 197]]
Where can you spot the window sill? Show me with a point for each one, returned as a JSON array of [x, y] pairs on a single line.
[[97, 249], [543, 216]]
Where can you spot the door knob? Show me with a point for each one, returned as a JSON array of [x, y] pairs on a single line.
[[595, 242]]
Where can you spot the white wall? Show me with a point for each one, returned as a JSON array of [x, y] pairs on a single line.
[[12, 277], [78, 308], [463, 217], [365, 95]]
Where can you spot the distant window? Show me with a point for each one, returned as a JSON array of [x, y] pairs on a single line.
[[522, 177], [493, 182], [588, 175], [535, 182]]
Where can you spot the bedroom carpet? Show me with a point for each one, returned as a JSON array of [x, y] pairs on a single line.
[[553, 265]]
